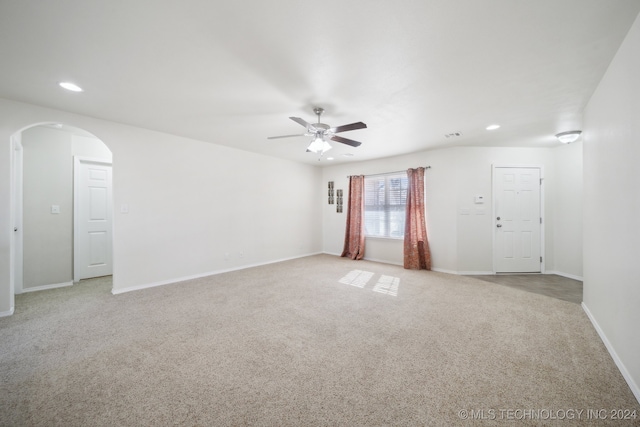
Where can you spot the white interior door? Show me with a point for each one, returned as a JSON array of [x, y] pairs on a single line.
[[518, 219], [93, 234]]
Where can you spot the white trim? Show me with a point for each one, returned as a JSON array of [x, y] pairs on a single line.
[[623, 369], [77, 160], [16, 258], [444, 270], [332, 253], [567, 275], [7, 313], [198, 276], [46, 287], [542, 210], [476, 273], [381, 261]]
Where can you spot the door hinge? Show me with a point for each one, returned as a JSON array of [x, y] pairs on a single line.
[[541, 181], [540, 220], [540, 260]]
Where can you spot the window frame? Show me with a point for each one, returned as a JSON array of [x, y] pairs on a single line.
[[387, 210]]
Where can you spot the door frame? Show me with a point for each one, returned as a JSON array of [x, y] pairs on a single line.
[[493, 211], [17, 236], [77, 160]]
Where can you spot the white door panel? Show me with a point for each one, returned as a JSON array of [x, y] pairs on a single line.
[[518, 220], [93, 210]]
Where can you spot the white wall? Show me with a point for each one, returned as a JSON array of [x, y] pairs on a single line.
[[190, 202], [567, 210], [386, 250], [48, 181], [612, 208], [463, 243], [87, 146]]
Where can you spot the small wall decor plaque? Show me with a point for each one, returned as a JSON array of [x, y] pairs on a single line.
[[330, 192], [339, 201]]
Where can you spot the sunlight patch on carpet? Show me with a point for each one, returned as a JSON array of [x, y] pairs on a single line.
[[357, 278], [387, 285]]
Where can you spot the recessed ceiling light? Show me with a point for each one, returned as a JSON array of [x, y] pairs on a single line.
[[493, 127], [329, 158], [348, 154], [70, 86]]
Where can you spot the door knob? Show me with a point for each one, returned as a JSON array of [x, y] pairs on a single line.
[[498, 225]]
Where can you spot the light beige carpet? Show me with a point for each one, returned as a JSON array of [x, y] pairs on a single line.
[[315, 341]]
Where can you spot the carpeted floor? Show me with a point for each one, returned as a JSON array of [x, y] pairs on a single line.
[[550, 285], [314, 341]]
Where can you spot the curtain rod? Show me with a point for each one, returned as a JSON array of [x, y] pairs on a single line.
[[386, 173]]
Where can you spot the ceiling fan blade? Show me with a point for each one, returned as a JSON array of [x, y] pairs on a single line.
[[347, 141], [300, 121], [286, 136], [344, 128]]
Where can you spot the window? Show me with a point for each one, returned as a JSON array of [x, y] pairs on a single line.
[[385, 199]]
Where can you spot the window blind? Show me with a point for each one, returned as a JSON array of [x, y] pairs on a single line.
[[385, 198]]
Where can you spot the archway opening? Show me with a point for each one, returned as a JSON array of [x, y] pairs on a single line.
[[55, 186]]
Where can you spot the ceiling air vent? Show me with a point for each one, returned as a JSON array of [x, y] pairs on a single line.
[[453, 135]]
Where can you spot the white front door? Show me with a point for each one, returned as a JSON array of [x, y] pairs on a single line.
[[518, 219], [93, 256]]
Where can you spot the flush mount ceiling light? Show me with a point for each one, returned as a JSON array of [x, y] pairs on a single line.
[[569, 136], [70, 86], [493, 127]]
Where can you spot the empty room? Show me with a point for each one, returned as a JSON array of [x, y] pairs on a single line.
[[319, 213]]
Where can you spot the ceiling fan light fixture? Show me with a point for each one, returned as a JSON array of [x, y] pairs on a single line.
[[319, 145], [322, 131], [569, 136]]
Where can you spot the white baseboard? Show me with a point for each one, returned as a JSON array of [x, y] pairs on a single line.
[[7, 313], [567, 275], [382, 261], [623, 369], [332, 253], [198, 276], [443, 270], [45, 287], [475, 273]]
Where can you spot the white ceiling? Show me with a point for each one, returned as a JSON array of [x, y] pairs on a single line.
[[232, 73]]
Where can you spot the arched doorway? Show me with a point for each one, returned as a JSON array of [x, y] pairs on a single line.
[[45, 194]]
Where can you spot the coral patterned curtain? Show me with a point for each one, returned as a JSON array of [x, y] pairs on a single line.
[[417, 255], [354, 234]]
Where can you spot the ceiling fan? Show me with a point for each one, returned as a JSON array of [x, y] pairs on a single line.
[[321, 131]]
